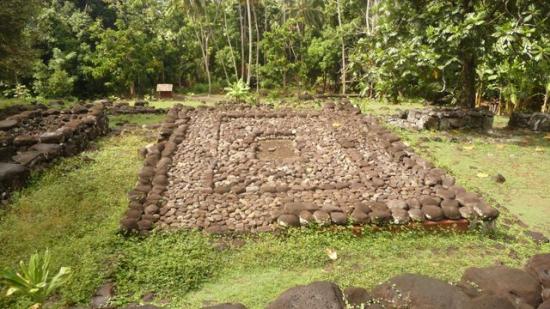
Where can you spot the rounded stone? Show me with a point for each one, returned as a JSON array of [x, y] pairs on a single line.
[[151, 209], [467, 212], [359, 217], [451, 211], [428, 201], [321, 217], [129, 224], [145, 225], [288, 220], [380, 216], [445, 194], [338, 218], [133, 213], [486, 212], [306, 217], [397, 204], [400, 216], [433, 213], [417, 215]]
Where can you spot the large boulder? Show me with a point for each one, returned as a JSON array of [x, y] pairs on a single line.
[[12, 174], [488, 301], [321, 294], [539, 267], [517, 286], [357, 297], [417, 291]]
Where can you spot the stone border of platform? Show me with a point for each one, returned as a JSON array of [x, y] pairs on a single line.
[[451, 207], [22, 153]]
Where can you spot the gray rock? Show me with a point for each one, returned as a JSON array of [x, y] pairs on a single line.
[[357, 297], [8, 124], [417, 291], [417, 215], [288, 220], [397, 204], [326, 295], [539, 267], [400, 216], [498, 178], [10, 171], [322, 217], [450, 209], [339, 218], [517, 286], [433, 213], [359, 217], [29, 158]]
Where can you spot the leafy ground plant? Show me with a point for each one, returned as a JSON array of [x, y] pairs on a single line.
[[33, 280], [238, 91]]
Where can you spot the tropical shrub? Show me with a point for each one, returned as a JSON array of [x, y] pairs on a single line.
[[238, 91]]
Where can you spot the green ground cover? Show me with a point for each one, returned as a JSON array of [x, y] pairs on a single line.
[[73, 208]]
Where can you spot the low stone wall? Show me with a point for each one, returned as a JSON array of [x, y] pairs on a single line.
[[539, 122], [124, 108], [493, 287], [444, 119], [488, 287], [33, 138], [259, 169]]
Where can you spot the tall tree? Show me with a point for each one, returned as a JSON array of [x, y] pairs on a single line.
[[16, 52]]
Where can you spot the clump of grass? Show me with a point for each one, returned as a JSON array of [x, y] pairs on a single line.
[[73, 209], [173, 263], [136, 119]]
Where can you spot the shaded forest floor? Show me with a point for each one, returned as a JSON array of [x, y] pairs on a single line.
[[74, 207]]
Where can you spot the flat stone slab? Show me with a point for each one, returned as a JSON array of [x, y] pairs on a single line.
[[237, 168]]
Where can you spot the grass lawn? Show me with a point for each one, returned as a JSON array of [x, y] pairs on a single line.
[[73, 208], [522, 158]]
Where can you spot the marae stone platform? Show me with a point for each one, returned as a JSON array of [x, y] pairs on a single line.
[[239, 168]]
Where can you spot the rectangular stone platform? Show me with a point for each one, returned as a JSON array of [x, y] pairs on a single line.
[[237, 168]]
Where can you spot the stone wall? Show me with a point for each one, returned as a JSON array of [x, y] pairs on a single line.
[[258, 169], [124, 108], [33, 138], [499, 287], [536, 121], [444, 119]]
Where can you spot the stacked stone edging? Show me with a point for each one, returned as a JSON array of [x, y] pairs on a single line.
[[31, 139], [124, 108], [370, 176], [539, 122], [498, 287], [449, 118], [146, 198]]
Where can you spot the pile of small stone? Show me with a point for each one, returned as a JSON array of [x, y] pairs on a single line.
[[539, 122], [499, 287], [33, 138], [124, 108], [335, 166], [449, 118]]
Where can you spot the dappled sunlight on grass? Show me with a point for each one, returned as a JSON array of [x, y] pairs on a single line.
[[522, 157]]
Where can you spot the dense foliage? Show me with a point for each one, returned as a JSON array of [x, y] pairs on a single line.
[[463, 52]]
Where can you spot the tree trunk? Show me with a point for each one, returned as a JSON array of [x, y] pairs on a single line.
[[367, 17], [241, 25], [257, 52], [249, 69], [467, 56], [230, 45], [544, 108], [343, 47]]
